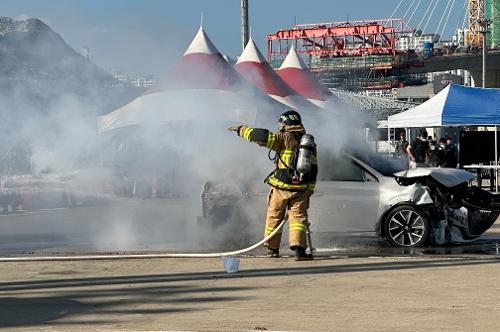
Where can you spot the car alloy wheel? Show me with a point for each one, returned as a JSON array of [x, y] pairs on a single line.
[[406, 227]]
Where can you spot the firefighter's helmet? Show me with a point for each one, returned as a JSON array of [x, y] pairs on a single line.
[[290, 118]]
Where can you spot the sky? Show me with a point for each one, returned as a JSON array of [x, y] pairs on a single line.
[[142, 37]]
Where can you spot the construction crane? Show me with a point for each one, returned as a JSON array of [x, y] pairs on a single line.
[[479, 13], [475, 15]]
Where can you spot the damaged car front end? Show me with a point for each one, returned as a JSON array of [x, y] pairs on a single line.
[[457, 212]]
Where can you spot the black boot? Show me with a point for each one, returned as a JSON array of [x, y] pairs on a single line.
[[300, 254], [273, 253]]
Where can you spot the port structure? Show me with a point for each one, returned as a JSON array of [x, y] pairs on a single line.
[[355, 38], [360, 51], [382, 54]]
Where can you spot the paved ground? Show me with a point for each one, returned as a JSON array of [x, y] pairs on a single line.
[[371, 288], [125, 225], [341, 294]]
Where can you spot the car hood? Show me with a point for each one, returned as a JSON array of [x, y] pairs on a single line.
[[448, 177]]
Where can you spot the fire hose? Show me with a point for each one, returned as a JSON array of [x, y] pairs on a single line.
[[134, 256]]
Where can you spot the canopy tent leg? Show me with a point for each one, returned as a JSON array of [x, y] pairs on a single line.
[[389, 137], [496, 159]]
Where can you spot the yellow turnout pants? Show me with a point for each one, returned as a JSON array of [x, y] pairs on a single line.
[[297, 204]]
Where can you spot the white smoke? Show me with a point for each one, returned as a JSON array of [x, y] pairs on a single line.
[[171, 154]]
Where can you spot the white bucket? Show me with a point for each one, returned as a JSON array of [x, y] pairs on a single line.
[[231, 264]]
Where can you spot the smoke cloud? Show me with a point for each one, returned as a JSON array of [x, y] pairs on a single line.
[[137, 187]]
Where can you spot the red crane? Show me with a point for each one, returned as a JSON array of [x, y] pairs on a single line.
[[355, 38]]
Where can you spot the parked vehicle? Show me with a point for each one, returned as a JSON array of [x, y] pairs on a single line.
[[10, 195]]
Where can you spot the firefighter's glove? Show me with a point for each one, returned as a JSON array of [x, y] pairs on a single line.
[[236, 129]]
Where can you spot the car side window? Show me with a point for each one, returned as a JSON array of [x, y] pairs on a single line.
[[342, 169], [369, 177]]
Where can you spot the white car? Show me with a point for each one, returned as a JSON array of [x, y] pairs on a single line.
[[370, 195]]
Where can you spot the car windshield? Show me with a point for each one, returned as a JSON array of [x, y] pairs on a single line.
[[382, 163]]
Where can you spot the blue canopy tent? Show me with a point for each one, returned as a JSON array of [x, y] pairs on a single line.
[[456, 105]]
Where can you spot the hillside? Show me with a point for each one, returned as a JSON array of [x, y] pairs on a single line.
[[38, 69]]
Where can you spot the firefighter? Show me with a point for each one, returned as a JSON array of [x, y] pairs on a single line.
[[288, 190]]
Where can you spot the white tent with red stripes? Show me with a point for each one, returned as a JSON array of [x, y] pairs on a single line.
[[254, 67], [200, 86], [296, 74]]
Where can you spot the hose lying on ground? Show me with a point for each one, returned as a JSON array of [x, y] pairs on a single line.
[[132, 256]]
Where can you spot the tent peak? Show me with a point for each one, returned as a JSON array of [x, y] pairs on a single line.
[[293, 60], [251, 53], [201, 44]]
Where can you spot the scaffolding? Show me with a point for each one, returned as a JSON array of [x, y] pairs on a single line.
[[350, 55], [492, 13], [355, 38], [380, 106]]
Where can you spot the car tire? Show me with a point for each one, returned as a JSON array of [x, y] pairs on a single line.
[[406, 226]]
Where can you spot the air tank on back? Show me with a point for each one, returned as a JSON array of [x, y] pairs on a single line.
[[305, 154]]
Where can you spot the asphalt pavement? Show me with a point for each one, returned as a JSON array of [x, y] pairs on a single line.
[[123, 225], [361, 285], [171, 225], [328, 294]]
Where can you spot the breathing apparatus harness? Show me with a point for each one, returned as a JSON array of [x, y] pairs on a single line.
[[301, 160]]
